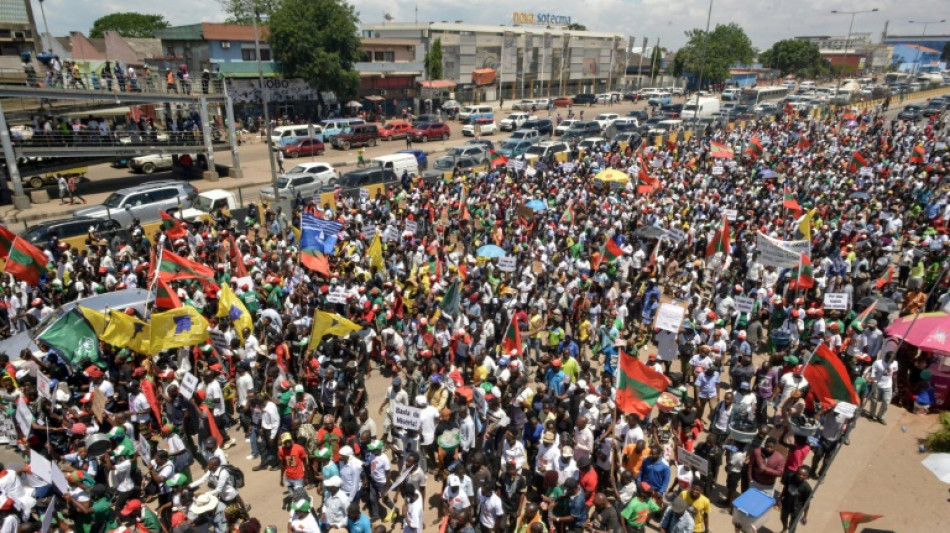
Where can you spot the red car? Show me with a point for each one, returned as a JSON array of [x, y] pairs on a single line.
[[396, 129], [563, 101], [426, 132], [303, 147]]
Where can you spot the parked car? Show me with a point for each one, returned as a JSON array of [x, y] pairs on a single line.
[[303, 147], [543, 150], [605, 119], [72, 231], [485, 143], [421, 157], [640, 114], [468, 150], [396, 129], [148, 164], [207, 203], [582, 129], [584, 98], [514, 147], [424, 119], [604, 98], [543, 126], [524, 105], [445, 166], [910, 112], [526, 135], [143, 202], [660, 98], [590, 143], [672, 110], [513, 121], [632, 139], [304, 182], [765, 109], [358, 135], [364, 178], [479, 126], [934, 107], [565, 125], [563, 101], [430, 131]]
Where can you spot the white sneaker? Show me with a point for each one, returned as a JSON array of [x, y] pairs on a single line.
[[252, 457], [230, 444]]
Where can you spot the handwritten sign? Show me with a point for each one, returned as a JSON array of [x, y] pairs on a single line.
[[507, 263], [406, 417], [189, 383], [744, 304], [836, 300], [98, 404], [718, 170], [690, 459], [144, 449], [391, 234], [411, 226], [669, 317], [567, 167], [369, 232], [866, 171], [731, 214], [846, 409], [537, 267], [364, 194], [24, 418], [337, 296], [778, 253], [525, 212]]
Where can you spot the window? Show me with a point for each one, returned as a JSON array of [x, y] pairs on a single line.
[[384, 56], [250, 54], [165, 194]]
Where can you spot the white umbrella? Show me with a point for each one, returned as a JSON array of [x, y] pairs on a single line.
[[353, 103], [939, 464]]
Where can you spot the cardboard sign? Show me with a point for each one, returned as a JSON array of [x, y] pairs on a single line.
[[846, 409], [411, 226], [515, 164], [836, 300], [189, 384], [525, 212], [7, 428], [676, 235], [364, 194], [43, 386], [866, 171], [744, 304], [507, 263], [718, 170], [669, 317], [537, 267], [144, 449], [406, 417], [567, 167], [369, 233], [778, 253], [530, 172], [337, 297], [24, 418], [219, 341], [48, 515], [391, 234], [402, 205], [690, 459], [731, 214], [98, 404]]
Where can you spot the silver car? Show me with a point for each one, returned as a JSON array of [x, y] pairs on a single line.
[[143, 202]]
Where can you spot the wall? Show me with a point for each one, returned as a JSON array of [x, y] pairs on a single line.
[[195, 54]]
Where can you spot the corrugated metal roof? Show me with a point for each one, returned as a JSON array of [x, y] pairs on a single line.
[[190, 32], [232, 32]]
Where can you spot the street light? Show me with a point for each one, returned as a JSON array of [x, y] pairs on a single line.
[[260, 77], [924, 33], [847, 42]]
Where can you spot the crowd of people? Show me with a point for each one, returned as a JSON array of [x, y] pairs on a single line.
[[502, 406]]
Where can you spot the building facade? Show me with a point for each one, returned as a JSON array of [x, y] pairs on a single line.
[[527, 61], [18, 36], [388, 73]]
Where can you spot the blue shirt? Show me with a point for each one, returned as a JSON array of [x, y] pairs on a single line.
[[361, 525], [578, 507], [707, 384], [656, 473]]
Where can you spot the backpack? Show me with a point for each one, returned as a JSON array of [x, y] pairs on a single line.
[[236, 475]]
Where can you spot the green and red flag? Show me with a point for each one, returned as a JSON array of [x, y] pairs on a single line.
[[857, 161], [804, 275], [721, 151], [850, 520], [24, 261], [790, 202], [316, 261], [165, 296], [917, 155], [862, 319], [568, 216], [612, 251], [886, 278], [720, 241], [754, 148], [512, 341], [172, 266], [497, 159], [828, 378], [638, 386], [172, 227]]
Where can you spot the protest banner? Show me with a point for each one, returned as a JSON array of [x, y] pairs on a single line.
[[744, 304], [778, 253], [189, 383], [507, 263], [669, 317]]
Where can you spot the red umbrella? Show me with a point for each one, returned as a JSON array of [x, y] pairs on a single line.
[[931, 331]]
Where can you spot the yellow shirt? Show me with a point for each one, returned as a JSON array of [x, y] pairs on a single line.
[[535, 323], [703, 508], [481, 373], [583, 332], [571, 368]]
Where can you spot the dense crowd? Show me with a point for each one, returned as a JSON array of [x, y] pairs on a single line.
[[508, 375]]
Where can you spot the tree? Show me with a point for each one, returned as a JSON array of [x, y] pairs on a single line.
[[128, 24], [791, 56], [945, 55], [242, 11], [433, 61], [656, 61], [318, 41], [726, 45], [576, 26]]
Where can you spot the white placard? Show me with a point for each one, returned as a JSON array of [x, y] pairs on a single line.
[[48, 515], [144, 448], [7, 427], [780, 254], [530, 171], [836, 300], [866, 171], [364, 194], [337, 297], [515, 164], [507, 263], [406, 417], [567, 167], [43, 386], [369, 233], [411, 226], [24, 418], [41, 467], [731, 214], [744, 304], [690, 459], [676, 235], [846, 409], [391, 234], [718, 170], [246, 280], [832, 149], [669, 317], [189, 383], [59, 479]]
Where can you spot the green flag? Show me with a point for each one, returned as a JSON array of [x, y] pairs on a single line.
[[73, 337], [451, 301]]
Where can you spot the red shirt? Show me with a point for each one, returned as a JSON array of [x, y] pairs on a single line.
[[332, 439], [293, 461], [796, 457], [588, 482]]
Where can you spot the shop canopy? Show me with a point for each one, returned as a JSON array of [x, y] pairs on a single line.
[[484, 76], [930, 332]]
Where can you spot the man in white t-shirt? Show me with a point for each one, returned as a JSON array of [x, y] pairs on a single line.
[[489, 507], [882, 376], [428, 418]]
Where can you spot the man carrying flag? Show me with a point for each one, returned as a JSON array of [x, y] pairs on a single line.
[[511, 344], [638, 386], [803, 277], [857, 161], [720, 241], [755, 149]]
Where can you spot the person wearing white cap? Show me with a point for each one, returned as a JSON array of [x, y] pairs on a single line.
[[334, 505], [351, 473], [453, 497], [428, 418]]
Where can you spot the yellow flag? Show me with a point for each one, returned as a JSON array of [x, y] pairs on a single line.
[[804, 224], [231, 306], [330, 324], [375, 252], [97, 319], [177, 328], [125, 331]]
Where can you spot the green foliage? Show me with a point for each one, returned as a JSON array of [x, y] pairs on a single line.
[[317, 40], [727, 45], [576, 26], [939, 440], [945, 55], [656, 61], [791, 56], [242, 11], [128, 24], [433, 61]]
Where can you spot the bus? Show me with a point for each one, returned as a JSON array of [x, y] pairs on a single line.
[[760, 95], [896, 78]]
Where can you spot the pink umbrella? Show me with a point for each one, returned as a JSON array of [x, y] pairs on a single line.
[[931, 332]]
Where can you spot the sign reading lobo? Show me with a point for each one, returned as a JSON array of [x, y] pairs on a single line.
[[405, 417]]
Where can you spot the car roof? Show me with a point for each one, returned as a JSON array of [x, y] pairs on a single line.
[[214, 194], [309, 164], [58, 221], [153, 185]]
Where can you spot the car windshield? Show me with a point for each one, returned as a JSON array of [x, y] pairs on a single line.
[[531, 124], [535, 150], [35, 235], [422, 125], [347, 130], [203, 203], [349, 180], [299, 169], [282, 182], [445, 163], [113, 200], [509, 145]]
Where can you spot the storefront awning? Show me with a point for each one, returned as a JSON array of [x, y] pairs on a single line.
[[437, 84], [373, 98], [484, 76]]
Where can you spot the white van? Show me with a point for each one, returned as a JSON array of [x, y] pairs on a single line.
[[398, 163], [666, 126], [731, 94], [336, 126], [473, 112], [704, 109], [806, 86], [283, 135]]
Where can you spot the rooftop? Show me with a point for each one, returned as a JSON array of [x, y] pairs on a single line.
[[479, 28]]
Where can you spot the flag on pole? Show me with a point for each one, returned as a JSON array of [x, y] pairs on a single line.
[[568, 216], [497, 159], [638, 386], [172, 266], [75, 339], [126, 331], [720, 241], [451, 301], [97, 319], [790, 202], [917, 156], [804, 224], [803, 277], [612, 251], [24, 261], [231, 306], [857, 161], [165, 296], [512, 340], [721, 151], [850, 520], [862, 318], [330, 324], [886, 278], [375, 253], [754, 148], [177, 328], [828, 378], [172, 227]]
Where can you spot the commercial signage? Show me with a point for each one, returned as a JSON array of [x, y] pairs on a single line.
[[540, 19]]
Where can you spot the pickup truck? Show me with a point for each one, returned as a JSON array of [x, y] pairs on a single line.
[[208, 203]]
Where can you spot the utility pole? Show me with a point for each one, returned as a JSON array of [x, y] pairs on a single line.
[[654, 68], [702, 63], [267, 128]]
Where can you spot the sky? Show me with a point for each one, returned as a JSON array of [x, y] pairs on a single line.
[[765, 21]]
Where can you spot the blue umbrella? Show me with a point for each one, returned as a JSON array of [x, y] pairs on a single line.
[[491, 251], [768, 173], [537, 205]]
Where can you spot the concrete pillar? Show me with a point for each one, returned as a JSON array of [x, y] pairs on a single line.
[[211, 174], [20, 201], [235, 171]]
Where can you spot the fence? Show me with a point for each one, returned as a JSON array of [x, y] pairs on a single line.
[[150, 83]]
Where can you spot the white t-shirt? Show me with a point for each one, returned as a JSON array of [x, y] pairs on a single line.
[[490, 510], [414, 514], [456, 499], [428, 418], [791, 382], [881, 376]]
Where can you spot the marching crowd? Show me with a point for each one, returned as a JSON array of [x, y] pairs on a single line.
[[509, 399]]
